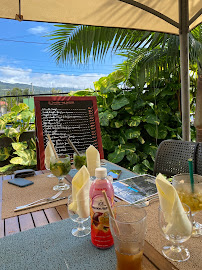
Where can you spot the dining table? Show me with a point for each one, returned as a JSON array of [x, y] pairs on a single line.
[[51, 219]]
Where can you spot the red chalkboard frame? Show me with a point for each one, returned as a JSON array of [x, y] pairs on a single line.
[[39, 128]]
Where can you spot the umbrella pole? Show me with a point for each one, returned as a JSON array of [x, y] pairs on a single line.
[[184, 68]]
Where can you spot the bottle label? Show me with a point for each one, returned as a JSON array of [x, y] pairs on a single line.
[[100, 231]]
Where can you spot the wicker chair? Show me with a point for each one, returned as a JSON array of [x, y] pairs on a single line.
[[199, 159], [172, 157]]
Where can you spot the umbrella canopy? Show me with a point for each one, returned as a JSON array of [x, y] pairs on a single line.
[[169, 16], [142, 14]]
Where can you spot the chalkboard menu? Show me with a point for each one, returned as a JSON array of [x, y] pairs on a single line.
[[60, 117]]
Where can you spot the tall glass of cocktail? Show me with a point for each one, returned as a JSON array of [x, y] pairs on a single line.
[[193, 199], [60, 167]]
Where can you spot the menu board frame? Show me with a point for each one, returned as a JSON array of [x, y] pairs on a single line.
[[62, 101]]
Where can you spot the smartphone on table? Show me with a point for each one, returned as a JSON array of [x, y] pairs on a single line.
[[114, 174]]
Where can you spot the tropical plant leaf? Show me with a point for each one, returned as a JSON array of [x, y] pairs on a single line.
[[118, 124], [11, 132], [6, 168], [2, 124], [106, 116], [81, 93], [139, 169], [19, 108], [158, 132], [132, 133], [4, 153], [132, 157], [129, 147], [107, 142], [119, 102], [147, 164], [150, 150], [19, 160], [141, 140], [25, 115], [32, 144], [117, 155], [152, 119], [20, 146], [135, 121], [26, 158]]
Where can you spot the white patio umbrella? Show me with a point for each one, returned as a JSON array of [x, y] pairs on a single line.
[[169, 16]]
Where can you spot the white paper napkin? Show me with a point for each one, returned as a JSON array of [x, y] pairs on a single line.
[[178, 222], [48, 154], [80, 193], [93, 159]]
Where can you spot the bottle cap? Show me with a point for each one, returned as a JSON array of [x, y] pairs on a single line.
[[100, 172]]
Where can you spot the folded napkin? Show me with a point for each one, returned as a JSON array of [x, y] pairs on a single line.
[[80, 193], [93, 159], [178, 222], [48, 154]]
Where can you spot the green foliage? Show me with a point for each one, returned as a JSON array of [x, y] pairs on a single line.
[[20, 154], [133, 122], [11, 101]]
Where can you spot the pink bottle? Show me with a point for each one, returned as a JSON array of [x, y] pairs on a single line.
[[100, 232]]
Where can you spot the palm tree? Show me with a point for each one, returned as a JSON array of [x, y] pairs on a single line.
[[144, 51]]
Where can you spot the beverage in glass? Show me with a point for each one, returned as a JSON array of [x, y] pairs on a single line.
[[128, 229], [60, 167], [79, 160], [193, 199]]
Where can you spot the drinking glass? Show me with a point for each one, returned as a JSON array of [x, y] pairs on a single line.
[[81, 230], [128, 229], [60, 167], [79, 160], [181, 182], [48, 168], [176, 235]]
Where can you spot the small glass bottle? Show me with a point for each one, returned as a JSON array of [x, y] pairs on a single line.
[[100, 232]]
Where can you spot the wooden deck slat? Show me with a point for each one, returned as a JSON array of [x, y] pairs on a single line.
[[52, 215], [26, 222], [11, 226], [147, 265], [39, 218], [156, 258], [62, 210]]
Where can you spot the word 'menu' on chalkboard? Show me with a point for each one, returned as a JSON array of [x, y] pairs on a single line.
[[60, 117]]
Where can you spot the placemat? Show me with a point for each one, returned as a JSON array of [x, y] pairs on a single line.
[[53, 247], [157, 240], [13, 196]]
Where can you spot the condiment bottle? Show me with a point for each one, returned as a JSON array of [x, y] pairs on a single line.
[[100, 232]]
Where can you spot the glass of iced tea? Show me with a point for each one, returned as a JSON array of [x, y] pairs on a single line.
[[128, 229], [193, 199]]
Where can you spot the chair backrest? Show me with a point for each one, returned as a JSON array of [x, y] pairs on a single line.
[[172, 157], [199, 159]]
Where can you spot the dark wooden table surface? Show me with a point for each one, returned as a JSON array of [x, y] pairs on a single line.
[[152, 258]]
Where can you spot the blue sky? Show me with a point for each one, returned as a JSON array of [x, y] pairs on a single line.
[[24, 58]]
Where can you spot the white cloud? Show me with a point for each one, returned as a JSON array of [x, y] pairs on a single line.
[[38, 30], [19, 75]]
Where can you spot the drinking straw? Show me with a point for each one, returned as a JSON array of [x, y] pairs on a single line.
[[191, 174], [110, 210], [52, 145], [73, 146]]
